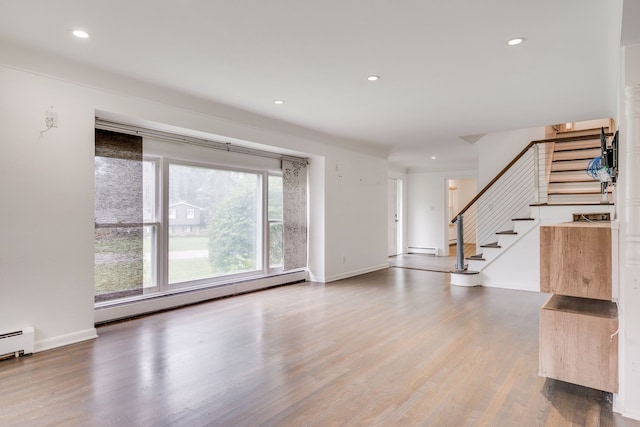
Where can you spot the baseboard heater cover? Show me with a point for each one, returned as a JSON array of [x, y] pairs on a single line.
[[16, 343], [419, 250]]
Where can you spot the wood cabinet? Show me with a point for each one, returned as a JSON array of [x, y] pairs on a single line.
[[575, 259], [578, 342], [579, 322]]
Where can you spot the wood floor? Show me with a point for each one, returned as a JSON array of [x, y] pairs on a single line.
[[398, 347]]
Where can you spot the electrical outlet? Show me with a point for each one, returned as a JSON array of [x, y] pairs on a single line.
[[51, 119]]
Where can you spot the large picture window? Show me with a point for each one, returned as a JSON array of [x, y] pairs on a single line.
[[164, 224], [216, 229]]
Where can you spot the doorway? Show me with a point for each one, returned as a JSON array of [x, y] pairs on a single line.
[[394, 217], [460, 191]]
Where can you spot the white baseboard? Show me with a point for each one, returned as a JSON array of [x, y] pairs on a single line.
[[352, 273], [60, 340], [512, 286], [164, 302]]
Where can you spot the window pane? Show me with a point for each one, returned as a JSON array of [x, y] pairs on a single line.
[[215, 230], [275, 197], [275, 245]]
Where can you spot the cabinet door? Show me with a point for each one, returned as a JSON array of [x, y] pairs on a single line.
[[578, 343], [576, 260]]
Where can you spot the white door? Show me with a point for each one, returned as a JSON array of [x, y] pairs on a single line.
[[392, 217]]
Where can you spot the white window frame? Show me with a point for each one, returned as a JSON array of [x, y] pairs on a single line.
[[262, 269]]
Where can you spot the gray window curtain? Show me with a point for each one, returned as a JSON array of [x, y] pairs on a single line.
[[294, 188], [118, 216]]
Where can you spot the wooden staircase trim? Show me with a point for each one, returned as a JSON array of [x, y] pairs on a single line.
[[507, 232]]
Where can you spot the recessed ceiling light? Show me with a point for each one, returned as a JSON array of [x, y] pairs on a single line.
[[80, 34], [279, 101], [516, 41], [433, 157], [373, 78]]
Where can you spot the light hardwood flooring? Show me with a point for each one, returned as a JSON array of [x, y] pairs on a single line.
[[397, 347]]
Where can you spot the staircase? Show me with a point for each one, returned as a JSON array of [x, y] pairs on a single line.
[[568, 181], [511, 259]]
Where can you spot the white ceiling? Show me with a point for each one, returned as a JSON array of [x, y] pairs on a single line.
[[446, 70]]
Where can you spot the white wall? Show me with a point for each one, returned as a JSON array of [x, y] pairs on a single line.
[[46, 220], [46, 251], [496, 150], [428, 212], [357, 192], [427, 207]]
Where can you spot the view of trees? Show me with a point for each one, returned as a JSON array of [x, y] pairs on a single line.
[[230, 206], [233, 228]]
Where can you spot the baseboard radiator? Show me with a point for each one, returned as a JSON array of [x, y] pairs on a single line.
[[16, 343], [419, 250]]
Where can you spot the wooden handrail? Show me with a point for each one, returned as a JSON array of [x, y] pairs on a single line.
[[516, 158]]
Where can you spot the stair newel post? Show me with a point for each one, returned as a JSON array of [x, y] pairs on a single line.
[[459, 244]]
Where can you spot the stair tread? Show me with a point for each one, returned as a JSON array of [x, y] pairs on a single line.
[[522, 219], [491, 245], [573, 191], [565, 149], [506, 232], [475, 258], [573, 159], [575, 137], [572, 204], [569, 181]]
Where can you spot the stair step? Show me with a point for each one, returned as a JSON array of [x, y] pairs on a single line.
[[569, 176], [522, 219], [508, 232], [581, 144], [494, 245], [572, 204], [586, 187], [577, 199], [583, 133], [582, 153], [477, 257], [570, 165]]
